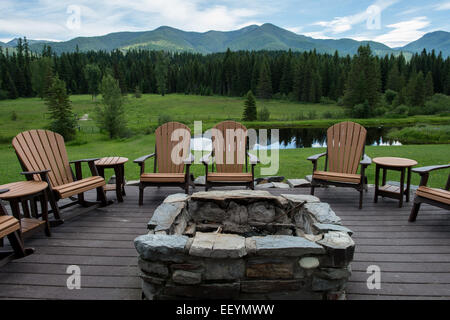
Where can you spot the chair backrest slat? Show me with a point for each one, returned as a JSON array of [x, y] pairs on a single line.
[[345, 145], [231, 150], [42, 150], [165, 145]]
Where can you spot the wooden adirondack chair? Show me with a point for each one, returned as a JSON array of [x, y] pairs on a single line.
[[345, 152], [10, 228], [171, 138], [433, 196], [229, 154], [43, 156]]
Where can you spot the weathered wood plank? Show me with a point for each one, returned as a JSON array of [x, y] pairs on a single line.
[[405, 277], [56, 280], [49, 292], [414, 258]]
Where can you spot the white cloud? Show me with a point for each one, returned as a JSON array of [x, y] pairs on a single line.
[[442, 6], [48, 18], [404, 32], [317, 35], [346, 23], [294, 29]]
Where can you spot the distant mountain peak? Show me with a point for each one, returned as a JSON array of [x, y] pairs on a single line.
[[252, 37]]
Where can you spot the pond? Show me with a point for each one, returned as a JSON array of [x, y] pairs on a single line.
[[295, 138]]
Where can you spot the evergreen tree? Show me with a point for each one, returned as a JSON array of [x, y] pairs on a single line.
[[264, 88], [415, 93], [161, 71], [363, 81], [92, 74], [41, 75], [249, 107], [395, 81], [110, 116], [255, 77], [60, 109], [304, 76], [315, 89], [10, 86], [286, 78], [428, 85]]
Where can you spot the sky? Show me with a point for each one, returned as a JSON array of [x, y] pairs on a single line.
[[392, 22]]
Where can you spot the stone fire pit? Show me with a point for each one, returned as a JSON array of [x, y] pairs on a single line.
[[244, 245]]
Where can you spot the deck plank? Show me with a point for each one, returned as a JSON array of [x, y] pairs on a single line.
[[414, 257]]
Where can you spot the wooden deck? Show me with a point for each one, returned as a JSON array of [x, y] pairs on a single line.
[[414, 257]]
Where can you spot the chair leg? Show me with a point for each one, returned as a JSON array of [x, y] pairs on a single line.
[[312, 190], [414, 211], [16, 242], [55, 210], [141, 194], [191, 181], [44, 213], [102, 195]]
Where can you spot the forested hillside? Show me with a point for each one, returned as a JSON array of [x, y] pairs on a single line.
[[308, 76]]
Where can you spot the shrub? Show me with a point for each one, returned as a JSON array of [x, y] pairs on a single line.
[[401, 111], [421, 134], [110, 116], [164, 118], [389, 96], [326, 100], [264, 114], [300, 116], [312, 114], [439, 103], [361, 111], [380, 111], [327, 115], [137, 93]]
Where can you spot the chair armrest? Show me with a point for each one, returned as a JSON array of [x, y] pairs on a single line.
[[205, 159], [42, 173], [424, 170], [316, 156], [84, 160], [190, 159], [366, 161], [253, 159], [143, 158], [30, 173]]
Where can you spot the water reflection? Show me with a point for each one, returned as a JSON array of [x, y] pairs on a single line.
[[295, 138]]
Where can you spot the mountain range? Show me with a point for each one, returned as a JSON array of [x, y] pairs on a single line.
[[264, 37]]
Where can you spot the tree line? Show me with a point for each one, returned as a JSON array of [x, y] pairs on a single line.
[[362, 80]]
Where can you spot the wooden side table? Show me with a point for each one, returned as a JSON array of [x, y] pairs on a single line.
[[10, 228], [118, 164], [396, 164], [22, 192]]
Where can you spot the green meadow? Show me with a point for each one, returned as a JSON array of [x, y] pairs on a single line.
[[143, 114]]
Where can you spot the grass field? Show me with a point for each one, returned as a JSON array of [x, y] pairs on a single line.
[[143, 113]]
